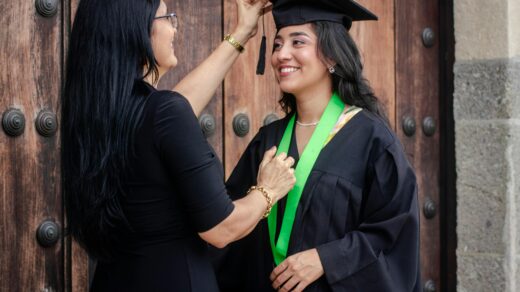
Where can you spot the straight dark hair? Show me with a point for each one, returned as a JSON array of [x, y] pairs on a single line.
[[102, 105], [336, 45]]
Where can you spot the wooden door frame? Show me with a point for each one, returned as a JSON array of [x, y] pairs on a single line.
[[448, 210]]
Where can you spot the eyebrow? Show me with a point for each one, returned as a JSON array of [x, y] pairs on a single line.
[[294, 34]]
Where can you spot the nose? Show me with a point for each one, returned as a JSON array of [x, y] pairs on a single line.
[[284, 53]]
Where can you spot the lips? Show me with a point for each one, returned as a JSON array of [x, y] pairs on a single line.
[[287, 70]]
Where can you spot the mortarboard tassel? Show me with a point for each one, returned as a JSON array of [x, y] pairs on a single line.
[[260, 67]]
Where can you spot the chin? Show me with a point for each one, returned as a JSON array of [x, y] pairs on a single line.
[[288, 88], [173, 63]]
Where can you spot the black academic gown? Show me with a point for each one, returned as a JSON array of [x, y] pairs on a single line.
[[358, 208]]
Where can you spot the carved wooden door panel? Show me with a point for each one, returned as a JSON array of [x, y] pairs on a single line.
[[417, 119], [31, 211]]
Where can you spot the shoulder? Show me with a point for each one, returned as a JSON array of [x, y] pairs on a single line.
[[170, 105], [374, 135], [377, 129], [161, 98], [169, 112]]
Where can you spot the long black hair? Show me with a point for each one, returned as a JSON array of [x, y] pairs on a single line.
[[102, 105], [335, 44]]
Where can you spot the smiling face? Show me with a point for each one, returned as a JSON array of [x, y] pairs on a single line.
[[296, 62], [163, 34]]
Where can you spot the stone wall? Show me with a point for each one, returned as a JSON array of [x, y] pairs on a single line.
[[487, 138]]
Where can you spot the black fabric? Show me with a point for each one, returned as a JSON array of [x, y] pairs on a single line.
[[296, 12], [359, 209], [167, 205]]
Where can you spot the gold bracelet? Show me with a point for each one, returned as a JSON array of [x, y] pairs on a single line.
[[267, 198], [234, 43]]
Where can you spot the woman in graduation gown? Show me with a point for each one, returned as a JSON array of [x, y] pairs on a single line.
[[351, 222]]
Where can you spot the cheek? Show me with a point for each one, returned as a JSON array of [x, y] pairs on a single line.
[[274, 59], [155, 40], [160, 42], [307, 57]]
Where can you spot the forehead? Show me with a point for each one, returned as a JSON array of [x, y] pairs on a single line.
[[292, 30]]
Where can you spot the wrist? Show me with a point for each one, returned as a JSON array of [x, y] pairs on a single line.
[[272, 194], [233, 42], [242, 35], [272, 191], [268, 198]]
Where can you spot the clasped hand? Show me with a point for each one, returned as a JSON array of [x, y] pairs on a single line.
[[296, 272], [276, 174]]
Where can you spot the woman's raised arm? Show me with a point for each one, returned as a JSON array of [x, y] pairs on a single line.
[[200, 84]]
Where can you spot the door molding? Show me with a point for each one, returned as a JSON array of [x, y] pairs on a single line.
[[447, 126]]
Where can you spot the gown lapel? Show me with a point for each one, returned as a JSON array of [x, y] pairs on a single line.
[[296, 239]]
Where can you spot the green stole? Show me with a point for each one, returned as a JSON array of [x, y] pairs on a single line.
[[327, 122]]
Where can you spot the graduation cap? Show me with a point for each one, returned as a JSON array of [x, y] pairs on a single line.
[[296, 12]]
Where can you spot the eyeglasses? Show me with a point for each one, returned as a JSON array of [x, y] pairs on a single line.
[[172, 17]]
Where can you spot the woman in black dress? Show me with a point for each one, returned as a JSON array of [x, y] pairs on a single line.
[[144, 190], [351, 222]]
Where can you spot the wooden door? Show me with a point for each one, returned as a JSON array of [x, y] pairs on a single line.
[[402, 71], [30, 83], [417, 100]]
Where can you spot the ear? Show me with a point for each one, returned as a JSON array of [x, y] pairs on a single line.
[[330, 66], [329, 63]]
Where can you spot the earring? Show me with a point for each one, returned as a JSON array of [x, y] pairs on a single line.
[[332, 70]]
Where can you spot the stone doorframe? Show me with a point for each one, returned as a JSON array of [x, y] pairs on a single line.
[[486, 108]]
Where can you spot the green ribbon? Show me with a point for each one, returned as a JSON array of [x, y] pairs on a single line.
[[303, 169]]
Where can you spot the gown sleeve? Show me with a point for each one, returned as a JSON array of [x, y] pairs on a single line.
[[383, 250], [194, 168]]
